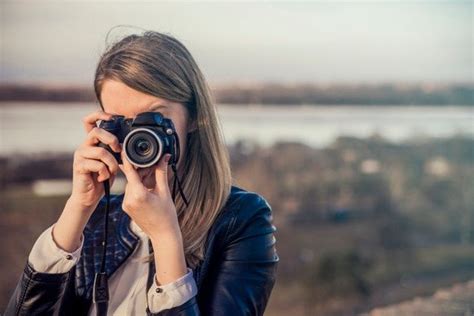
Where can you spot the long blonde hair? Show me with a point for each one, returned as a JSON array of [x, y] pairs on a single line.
[[159, 65]]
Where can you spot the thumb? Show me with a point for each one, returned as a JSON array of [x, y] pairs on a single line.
[[129, 171], [161, 174]]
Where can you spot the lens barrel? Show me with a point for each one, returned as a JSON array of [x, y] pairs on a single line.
[[143, 147]]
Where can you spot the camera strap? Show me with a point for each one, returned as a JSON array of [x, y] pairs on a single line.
[[100, 294], [176, 181]]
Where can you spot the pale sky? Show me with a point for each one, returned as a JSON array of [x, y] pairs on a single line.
[[312, 41]]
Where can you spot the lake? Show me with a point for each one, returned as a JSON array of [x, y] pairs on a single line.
[[57, 127]]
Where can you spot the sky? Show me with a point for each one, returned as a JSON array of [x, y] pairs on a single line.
[[260, 41]]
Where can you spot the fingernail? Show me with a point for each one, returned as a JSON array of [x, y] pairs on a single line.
[[167, 158]]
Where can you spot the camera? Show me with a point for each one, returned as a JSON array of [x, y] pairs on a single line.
[[145, 138]]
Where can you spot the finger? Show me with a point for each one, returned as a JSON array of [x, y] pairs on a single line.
[[161, 175], [90, 120], [98, 134], [91, 165], [102, 154], [112, 179], [129, 170]]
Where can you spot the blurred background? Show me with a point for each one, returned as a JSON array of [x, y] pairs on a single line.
[[353, 118]]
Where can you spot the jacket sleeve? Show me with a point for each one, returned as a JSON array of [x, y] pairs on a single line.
[[37, 293], [241, 280], [47, 257], [44, 278], [161, 297]]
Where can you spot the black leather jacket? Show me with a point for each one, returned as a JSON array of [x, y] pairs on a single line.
[[236, 276]]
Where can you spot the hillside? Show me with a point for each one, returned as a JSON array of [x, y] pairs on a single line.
[[275, 93]]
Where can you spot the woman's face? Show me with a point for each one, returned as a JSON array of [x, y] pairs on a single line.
[[119, 99]]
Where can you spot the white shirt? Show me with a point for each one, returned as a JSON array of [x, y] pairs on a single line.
[[127, 285]]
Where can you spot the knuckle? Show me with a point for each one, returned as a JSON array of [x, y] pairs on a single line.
[[114, 168], [103, 169], [77, 158], [127, 205], [92, 134], [102, 152], [79, 166], [79, 153], [134, 202], [140, 196], [112, 139]]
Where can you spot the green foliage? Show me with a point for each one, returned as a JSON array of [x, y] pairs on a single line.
[[338, 274]]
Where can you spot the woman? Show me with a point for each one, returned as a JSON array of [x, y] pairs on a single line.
[[213, 256]]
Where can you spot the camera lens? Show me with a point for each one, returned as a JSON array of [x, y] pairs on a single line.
[[143, 147]]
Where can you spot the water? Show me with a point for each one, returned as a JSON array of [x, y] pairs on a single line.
[[57, 127]]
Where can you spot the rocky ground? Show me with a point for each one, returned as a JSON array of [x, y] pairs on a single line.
[[457, 300]]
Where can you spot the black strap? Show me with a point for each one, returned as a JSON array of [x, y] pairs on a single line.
[[173, 167], [151, 275], [178, 182], [151, 267], [101, 289], [101, 294]]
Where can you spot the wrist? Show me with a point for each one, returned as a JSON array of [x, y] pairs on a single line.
[[168, 251], [69, 226], [75, 203], [170, 236]]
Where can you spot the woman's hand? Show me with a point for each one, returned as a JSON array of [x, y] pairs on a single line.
[[152, 209], [92, 164]]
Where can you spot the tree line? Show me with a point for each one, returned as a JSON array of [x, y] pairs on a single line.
[[278, 93]]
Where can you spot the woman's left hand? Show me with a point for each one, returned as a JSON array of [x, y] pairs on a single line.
[[153, 210]]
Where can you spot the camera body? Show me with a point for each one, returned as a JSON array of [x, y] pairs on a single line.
[[145, 138]]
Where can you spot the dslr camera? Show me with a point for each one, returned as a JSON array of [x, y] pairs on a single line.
[[145, 138]]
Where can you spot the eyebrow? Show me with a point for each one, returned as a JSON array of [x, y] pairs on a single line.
[[158, 106], [152, 108]]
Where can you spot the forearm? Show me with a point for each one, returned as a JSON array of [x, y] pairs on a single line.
[[70, 225], [169, 255]]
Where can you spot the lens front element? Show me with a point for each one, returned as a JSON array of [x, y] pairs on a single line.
[[143, 147]]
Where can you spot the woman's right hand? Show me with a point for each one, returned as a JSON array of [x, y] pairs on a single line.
[[92, 164]]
